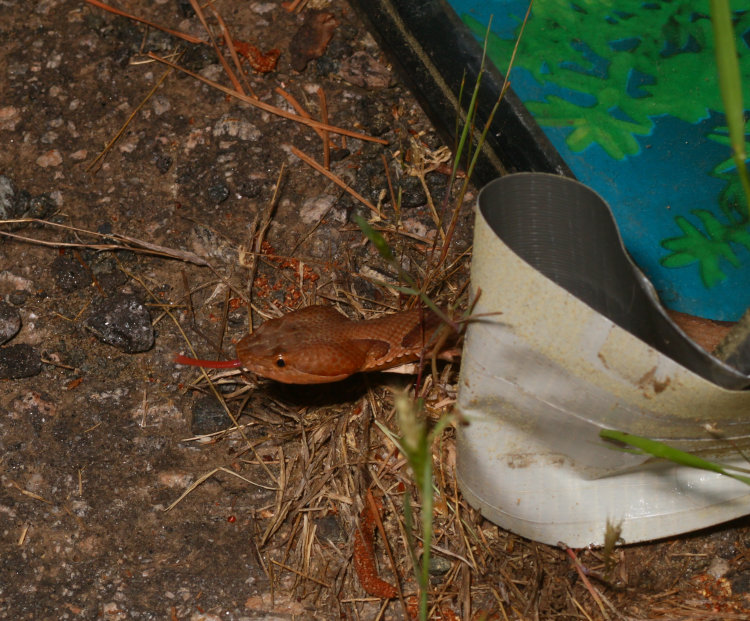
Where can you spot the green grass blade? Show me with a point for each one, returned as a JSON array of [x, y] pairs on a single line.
[[375, 238], [411, 544], [730, 85], [427, 519], [385, 251], [664, 451]]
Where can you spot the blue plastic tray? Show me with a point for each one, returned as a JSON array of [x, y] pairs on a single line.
[[624, 97]]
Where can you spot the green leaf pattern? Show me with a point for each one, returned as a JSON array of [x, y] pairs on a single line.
[[668, 45]]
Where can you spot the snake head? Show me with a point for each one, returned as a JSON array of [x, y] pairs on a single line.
[[301, 348]]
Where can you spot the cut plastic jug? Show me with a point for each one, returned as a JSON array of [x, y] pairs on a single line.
[[571, 338]]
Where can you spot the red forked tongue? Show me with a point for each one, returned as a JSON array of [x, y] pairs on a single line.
[[209, 364]]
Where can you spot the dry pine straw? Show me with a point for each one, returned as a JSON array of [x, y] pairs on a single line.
[[321, 468]]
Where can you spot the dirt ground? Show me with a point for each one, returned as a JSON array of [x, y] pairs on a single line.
[[101, 433]]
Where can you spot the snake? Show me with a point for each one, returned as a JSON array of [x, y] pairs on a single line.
[[318, 344]]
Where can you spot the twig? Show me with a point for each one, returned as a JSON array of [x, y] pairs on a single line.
[[259, 236], [253, 101], [176, 33], [324, 118], [232, 51], [598, 597], [227, 69], [137, 109], [294, 5], [337, 180], [298, 107], [299, 573], [395, 202], [124, 240], [205, 477]]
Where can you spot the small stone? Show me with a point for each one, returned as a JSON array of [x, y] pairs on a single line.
[[198, 57], [9, 118], [69, 274], [234, 126], [10, 322], [10, 282], [204, 616], [34, 406], [439, 566], [123, 322], [160, 104], [218, 193], [173, 479], [7, 192], [9, 199], [328, 528], [412, 193], [16, 203], [129, 143], [18, 297], [50, 159], [41, 207], [315, 208], [250, 188], [363, 70], [208, 416], [17, 361], [718, 567], [208, 243], [162, 162], [740, 583], [212, 72]]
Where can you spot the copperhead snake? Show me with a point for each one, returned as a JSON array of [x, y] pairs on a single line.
[[317, 344]]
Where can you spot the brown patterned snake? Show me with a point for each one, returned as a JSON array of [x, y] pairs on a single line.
[[317, 344]]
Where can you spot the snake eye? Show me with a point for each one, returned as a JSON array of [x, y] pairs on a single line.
[[280, 362]]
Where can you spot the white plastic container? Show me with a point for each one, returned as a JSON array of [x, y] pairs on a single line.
[[582, 344]]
